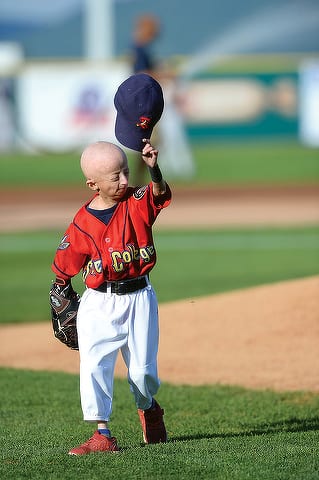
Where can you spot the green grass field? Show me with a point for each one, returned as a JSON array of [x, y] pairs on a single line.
[[190, 263], [216, 432], [232, 163]]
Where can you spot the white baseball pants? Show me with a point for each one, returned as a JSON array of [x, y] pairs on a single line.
[[108, 323]]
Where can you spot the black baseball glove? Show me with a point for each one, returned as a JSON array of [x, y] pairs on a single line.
[[64, 302]]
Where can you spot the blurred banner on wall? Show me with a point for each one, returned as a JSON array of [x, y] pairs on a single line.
[[63, 107], [245, 105]]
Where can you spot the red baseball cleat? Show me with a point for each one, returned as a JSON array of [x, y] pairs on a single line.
[[97, 443], [153, 426]]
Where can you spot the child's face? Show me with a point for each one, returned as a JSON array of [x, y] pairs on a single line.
[[106, 170], [113, 182]]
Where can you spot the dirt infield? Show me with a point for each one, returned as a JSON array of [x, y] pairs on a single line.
[[190, 208], [263, 337]]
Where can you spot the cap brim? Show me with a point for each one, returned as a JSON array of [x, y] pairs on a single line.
[[129, 135]]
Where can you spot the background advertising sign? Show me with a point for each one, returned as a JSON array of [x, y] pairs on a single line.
[[66, 107]]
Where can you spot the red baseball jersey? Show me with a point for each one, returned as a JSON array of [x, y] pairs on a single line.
[[122, 249]]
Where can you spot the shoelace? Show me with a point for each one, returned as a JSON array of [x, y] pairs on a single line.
[[90, 440]]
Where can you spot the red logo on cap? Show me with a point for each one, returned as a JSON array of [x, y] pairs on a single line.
[[144, 123]]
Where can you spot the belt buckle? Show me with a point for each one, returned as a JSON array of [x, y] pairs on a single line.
[[116, 288], [125, 286]]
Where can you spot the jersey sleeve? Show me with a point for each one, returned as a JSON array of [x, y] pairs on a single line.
[[69, 259], [150, 206]]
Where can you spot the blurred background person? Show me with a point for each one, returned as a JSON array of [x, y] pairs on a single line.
[[142, 60], [146, 31], [7, 121], [169, 133]]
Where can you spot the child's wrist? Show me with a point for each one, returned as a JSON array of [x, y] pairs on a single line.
[[156, 174]]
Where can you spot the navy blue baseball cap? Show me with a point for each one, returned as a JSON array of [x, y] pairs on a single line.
[[139, 103]]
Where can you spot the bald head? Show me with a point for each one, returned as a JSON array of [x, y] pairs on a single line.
[[100, 158]]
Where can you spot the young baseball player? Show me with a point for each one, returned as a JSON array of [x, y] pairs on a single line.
[[110, 240]]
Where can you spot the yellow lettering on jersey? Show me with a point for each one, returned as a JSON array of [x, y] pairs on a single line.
[[134, 252], [131, 254], [116, 259], [98, 266], [144, 254], [93, 267], [127, 258]]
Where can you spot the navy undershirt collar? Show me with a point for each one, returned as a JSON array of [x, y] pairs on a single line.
[[103, 215]]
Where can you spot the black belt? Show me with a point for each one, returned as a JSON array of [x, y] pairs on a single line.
[[124, 286]]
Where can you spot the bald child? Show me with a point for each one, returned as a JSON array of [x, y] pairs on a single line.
[[110, 241]]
